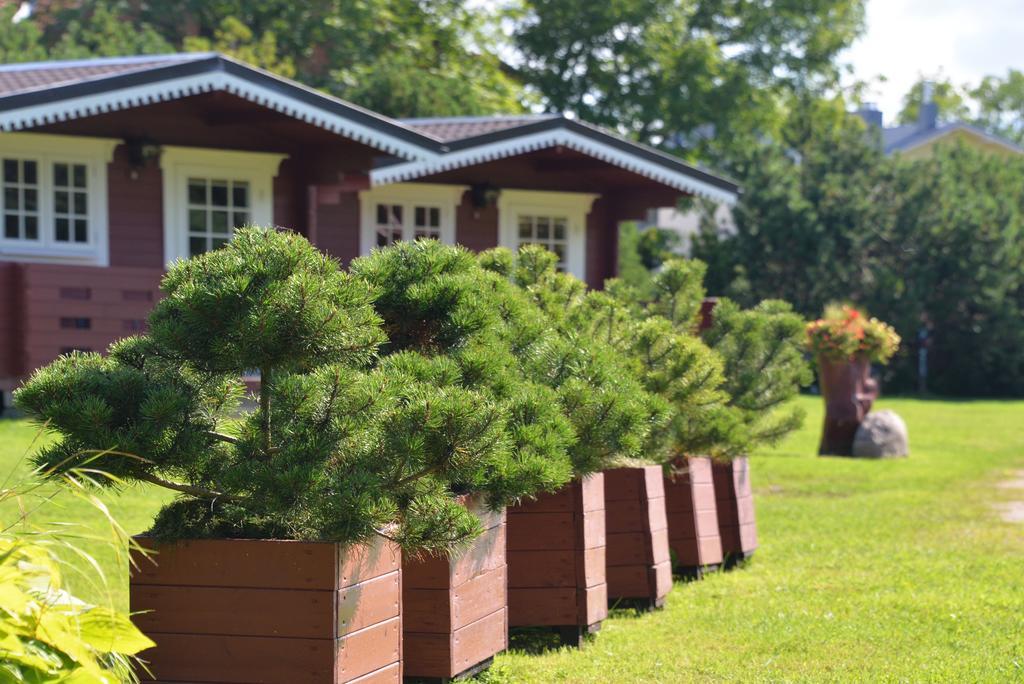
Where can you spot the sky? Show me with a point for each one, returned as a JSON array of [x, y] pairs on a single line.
[[963, 40]]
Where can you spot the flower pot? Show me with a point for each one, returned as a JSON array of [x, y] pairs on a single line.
[[735, 502], [270, 612], [454, 609], [693, 517], [556, 560], [848, 390], [639, 563]]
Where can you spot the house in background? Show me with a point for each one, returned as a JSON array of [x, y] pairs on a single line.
[[113, 168], [918, 140]]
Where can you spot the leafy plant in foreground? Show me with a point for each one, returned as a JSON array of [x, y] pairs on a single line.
[[47, 634]]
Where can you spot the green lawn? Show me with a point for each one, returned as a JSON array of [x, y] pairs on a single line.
[[867, 571]]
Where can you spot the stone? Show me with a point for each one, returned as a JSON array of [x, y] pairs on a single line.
[[882, 434]]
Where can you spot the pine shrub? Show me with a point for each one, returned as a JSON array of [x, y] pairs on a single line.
[[372, 417]]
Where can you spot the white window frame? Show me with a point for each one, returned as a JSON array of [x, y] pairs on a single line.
[[574, 206], [178, 164], [46, 150], [446, 197]]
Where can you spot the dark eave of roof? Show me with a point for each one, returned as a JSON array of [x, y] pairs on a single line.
[[601, 135], [219, 63]]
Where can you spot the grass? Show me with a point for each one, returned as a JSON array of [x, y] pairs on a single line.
[[868, 571]]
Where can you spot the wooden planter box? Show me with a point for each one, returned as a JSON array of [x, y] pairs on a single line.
[[454, 610], [270, 612], [556, 561], [639, 564], [735, 500], [693, 517]]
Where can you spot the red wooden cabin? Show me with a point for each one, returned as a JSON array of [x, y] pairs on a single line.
[[113, 168]]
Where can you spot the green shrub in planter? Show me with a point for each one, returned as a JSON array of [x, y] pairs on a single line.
[[763, 368], [343, 444], [761, 350]]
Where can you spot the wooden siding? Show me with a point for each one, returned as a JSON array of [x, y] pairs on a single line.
[[135, 208], [476, 228], [337, 223], [270, 611], [10, 325], [64, 308]]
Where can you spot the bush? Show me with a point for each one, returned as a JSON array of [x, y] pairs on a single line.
[[730, 395], [355, 434]]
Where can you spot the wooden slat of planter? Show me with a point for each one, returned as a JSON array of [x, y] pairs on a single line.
[[593, 603], [241, 659], [562, 501], [248, 563], [543, 569], [552, 606], [629, 548], [486, 554], [745, 510], [592, 570], [659, 548], [369, 602], [476, 598], [549, 531], [359, 563], [626, 516], [392, 674], [629, 581], [480, 640], [446, 655], [657, 518], [427, 610], [662, 579], [369, 649], [240, 612]]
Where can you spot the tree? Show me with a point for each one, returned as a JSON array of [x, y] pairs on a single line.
[[342, 445], [1001, 105], [950, 99], [398, 57], [679, 374], [102, 33], [237, 40], [19, 42], [681, 73]]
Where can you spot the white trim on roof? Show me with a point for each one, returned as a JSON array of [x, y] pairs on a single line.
[[171, 89], [107, 61], [565, 138]]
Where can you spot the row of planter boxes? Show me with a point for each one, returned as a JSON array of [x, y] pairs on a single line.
[[246, 611]]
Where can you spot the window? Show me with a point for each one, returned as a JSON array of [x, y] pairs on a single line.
[[70, 202], [408, 211], [215, 208], [547, 231], [54, 198], [426, 223], [210, 193], [555, 220]]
